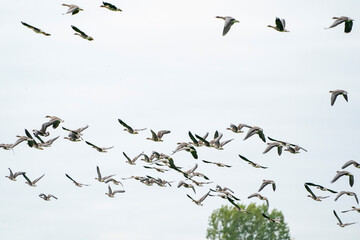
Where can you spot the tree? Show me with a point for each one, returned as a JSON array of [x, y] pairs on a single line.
[[227, 223]]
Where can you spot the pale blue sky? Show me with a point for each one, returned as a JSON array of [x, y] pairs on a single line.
[[165, 65]]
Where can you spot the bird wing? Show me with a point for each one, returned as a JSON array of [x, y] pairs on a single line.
[[228, 23], [77, 30], [79, 130], [203, 140], [348, 163], [122, 122], [70, 178], [196, 142], [262, 186], [154, 136], [351, 180], [118, 191], [279, 24], [162, 132], [337, 216], [274, 186], [339, 195], [36, 180], [27, 179], [11, 173], [333, 98], [346, 97], [356, 198], [96, 147], [309, 190], [337, 22], [253, 195], [31, 27], [206, 161], [127, 157], [203, 197], [245, 159], [190, 197], [98, 172], [337, 176]]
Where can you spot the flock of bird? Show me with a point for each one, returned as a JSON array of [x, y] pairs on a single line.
[[163, 163]]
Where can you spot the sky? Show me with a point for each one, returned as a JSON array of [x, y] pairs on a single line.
[[165, 65]]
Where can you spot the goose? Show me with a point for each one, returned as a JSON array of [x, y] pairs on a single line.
[[37, 30], [12, 176], [256, 130], [17, 142], [81, 33], [194, 142], [340, 222], [312, 195], [320, 187], [352, 209], [270, 146], [229, 21], [132, 161], [73, 9], [75, 182], [351, 162], [197, 174], [347, 193], [186, 185], [219, 145], [199, 202], [265, 183], [184, 146], [259, 197], [114, 181], [225, 192], [255, 165], [6, 146], [273, 220], [54, 122], [100, 178], [110, 7], [157, 137], [292, 148], [280, 25], [219, 164], [99, 149], [238, 128], [344, 173], [336, 93], [199, 184], [75, 135], [47, 197], [130, 129], [112, 193], [348, 23], [32, 183]]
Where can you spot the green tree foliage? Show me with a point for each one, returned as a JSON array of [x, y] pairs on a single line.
[[227, 223]]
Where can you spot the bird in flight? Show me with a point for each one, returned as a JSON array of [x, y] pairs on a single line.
[[81, 33], [130, 129], [229, 21], [280, 25], [73, 9], [99, 149], [336, 93], [37, 30], [110, 6], [348, 23], [340, 222], [75, 182]]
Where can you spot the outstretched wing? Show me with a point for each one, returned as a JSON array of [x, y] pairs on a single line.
[[337, 216], [122, 122], [77, 30]]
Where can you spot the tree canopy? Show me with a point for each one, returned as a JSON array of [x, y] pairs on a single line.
[[227, 223]]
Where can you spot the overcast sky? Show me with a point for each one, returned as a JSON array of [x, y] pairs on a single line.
[[165, 65]]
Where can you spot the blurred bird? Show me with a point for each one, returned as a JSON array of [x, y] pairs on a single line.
[[229, 21], [336, 93], [255, 165], [280, 25], [12, 176], [47, 197], [73, 9], [32, 183], [130, 129], [37, 30], [351, 162], [265, 183], [157, 137], [344, 173], [75, 182], [347, 193], [199, 202], [99, 149], [312, 195], [112, 193], [110, 7], [81, 33], [340, 222], [348, 23]]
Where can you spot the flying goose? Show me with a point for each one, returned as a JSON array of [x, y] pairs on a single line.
[[340, 222], [75, 135], [54, 122], [157, 137], [259, 197], [81, 33], [280, 25], [199, 202], [348, 23], [344, 173], [255, 130], [335, 93], [352, 209], [351, 162], [187, 185], [292, 148], [238, 128], [237, 206], [31, 141], [255, 165], [157, 169], [219, 164], [312, 195], [47, 197], [114, 181], [270, 146], [229, 21], [112, 193], [73, 9], [130, 129], [18, 141], [265, 183], [37, 30], [99, 149], [12, 176], [132, 161], [320, 187], [48, 143], [110, 7], [31, 183], [75, 182], [99, 177], [347, 193], [199, 184]]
